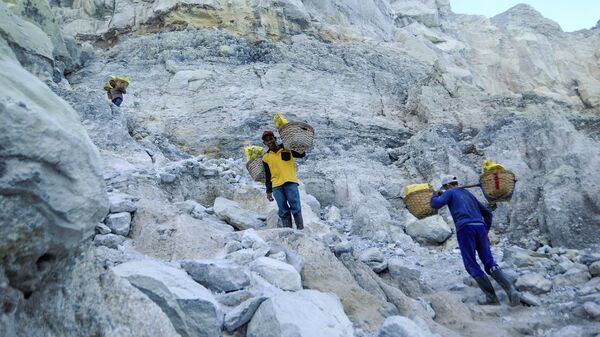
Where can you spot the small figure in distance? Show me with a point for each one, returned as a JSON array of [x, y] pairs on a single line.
[[116, 88]]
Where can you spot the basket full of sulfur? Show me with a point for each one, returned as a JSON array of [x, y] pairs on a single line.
[[498, 185], [497, 182], [255, 163], [417, 198], [297, 136], [256, 169]]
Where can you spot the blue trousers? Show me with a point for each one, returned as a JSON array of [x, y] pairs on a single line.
[[288, 199], [473, 238], [117, 101]]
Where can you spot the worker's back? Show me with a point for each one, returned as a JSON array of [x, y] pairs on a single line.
[[463, 205]]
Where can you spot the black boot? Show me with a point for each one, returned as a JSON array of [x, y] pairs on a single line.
[[488, 289], [513, 296], [287, 221], [298, 220]]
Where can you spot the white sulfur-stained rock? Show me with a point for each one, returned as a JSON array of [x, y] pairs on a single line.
[[432, 230], [119, 223], [217, 275], [534, 283], [192, 309], [280, 274], [108, 240], [102, 229], [121, 203], [241, 314], [306, 313], [399, 326], [233, 214]]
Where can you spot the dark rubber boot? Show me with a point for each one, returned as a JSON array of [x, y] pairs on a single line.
[[488, 289], [287, 221], [513, 296], [299, 221]]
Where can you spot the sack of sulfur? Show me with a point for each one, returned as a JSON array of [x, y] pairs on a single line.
[[489, 166], [279, 120], [252, 152]]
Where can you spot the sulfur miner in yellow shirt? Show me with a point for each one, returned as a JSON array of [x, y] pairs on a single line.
[[281, 180]]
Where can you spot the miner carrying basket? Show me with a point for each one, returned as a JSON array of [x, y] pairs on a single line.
[[278, 169]]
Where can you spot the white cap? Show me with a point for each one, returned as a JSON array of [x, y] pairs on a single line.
[[448, 179]]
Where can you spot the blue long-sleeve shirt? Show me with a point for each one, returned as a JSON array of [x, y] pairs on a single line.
[[464, 207]]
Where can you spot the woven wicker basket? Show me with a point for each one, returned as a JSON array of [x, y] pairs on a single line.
[[297, 136], [419, 203], [256, 169], [498, 185]]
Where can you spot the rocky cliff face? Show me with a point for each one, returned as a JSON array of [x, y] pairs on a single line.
[[395, 70], [398, 92]]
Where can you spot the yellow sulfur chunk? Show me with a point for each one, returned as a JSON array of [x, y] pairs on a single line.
[[252, 152], [279, 120], [417, 187], [107, 86], [120, 78], [489, 166]]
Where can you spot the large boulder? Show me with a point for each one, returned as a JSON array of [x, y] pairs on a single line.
[[431, 230], [400, 326], [192, 309], [406, 276], [51, 187], [424, 11], [576, 275], [306, 313], [119, 223], [238, 217], [159, 228], [38, 12], [533, 282], [595, 269], [217, 275], [588, 90], [241, 314], [83, 299], [519, 257], [120, 202], [280, 274], [24, 35], [324, 272]]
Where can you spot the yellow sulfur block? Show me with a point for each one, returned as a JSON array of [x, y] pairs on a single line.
[[417, 187], [252, 152], [279, 120], [120, 78], [489, 166]]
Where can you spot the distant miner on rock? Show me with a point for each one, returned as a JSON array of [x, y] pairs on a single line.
[[116, 88]]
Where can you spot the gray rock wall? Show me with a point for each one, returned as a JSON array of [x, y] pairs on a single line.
[[52, 197], [51, 184]]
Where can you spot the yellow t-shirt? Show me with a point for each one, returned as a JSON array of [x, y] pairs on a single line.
[[282, 171]]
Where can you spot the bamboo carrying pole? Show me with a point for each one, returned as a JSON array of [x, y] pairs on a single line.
[[465, 186]]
